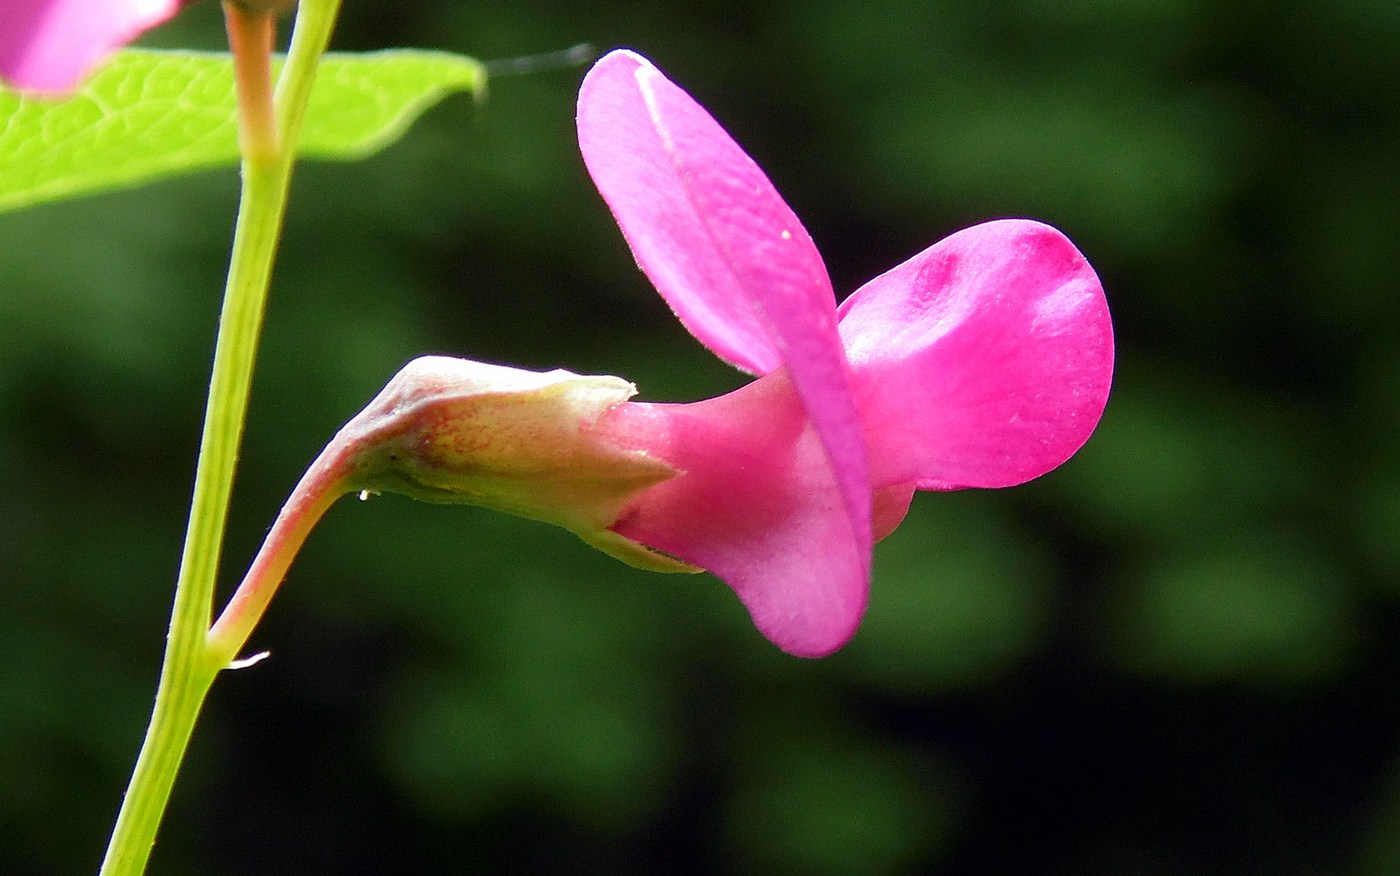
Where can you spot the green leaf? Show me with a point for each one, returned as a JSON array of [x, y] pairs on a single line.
[[153, 114]]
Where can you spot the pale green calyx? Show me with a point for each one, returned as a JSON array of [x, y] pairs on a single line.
[[523, 442]]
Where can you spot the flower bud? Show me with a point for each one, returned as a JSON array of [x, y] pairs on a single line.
[[523, 442]]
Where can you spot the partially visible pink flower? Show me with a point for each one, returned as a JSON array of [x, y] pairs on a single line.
[[983, 361], [49, 46]]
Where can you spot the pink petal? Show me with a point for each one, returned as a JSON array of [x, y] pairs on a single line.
[[726, 252], [50, 45], [705, 224], [757, 505], [984, 361]]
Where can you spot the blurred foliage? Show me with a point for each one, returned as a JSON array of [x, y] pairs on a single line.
[[1176, 655]]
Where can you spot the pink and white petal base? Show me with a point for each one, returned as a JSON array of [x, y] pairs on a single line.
[[757, 505], [48, 46], [984, 361]]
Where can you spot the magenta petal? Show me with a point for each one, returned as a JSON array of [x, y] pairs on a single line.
[[757, 504], [50, 45], [725, 251], [705, 224], [984, 361]]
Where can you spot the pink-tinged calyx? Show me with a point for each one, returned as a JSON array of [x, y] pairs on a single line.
[[523, 442]]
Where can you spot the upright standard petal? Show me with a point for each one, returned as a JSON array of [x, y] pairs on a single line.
[[703, 221], [48, 46], [728, 255], [983, 361]]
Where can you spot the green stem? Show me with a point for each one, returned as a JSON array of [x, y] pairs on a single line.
[[190, 665]]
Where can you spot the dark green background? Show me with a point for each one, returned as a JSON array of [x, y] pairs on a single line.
[[1178, 654]]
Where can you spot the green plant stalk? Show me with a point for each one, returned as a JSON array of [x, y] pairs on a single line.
[[190, 666]]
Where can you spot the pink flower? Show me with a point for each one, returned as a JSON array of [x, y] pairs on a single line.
[[983, 361], [50, 45]]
